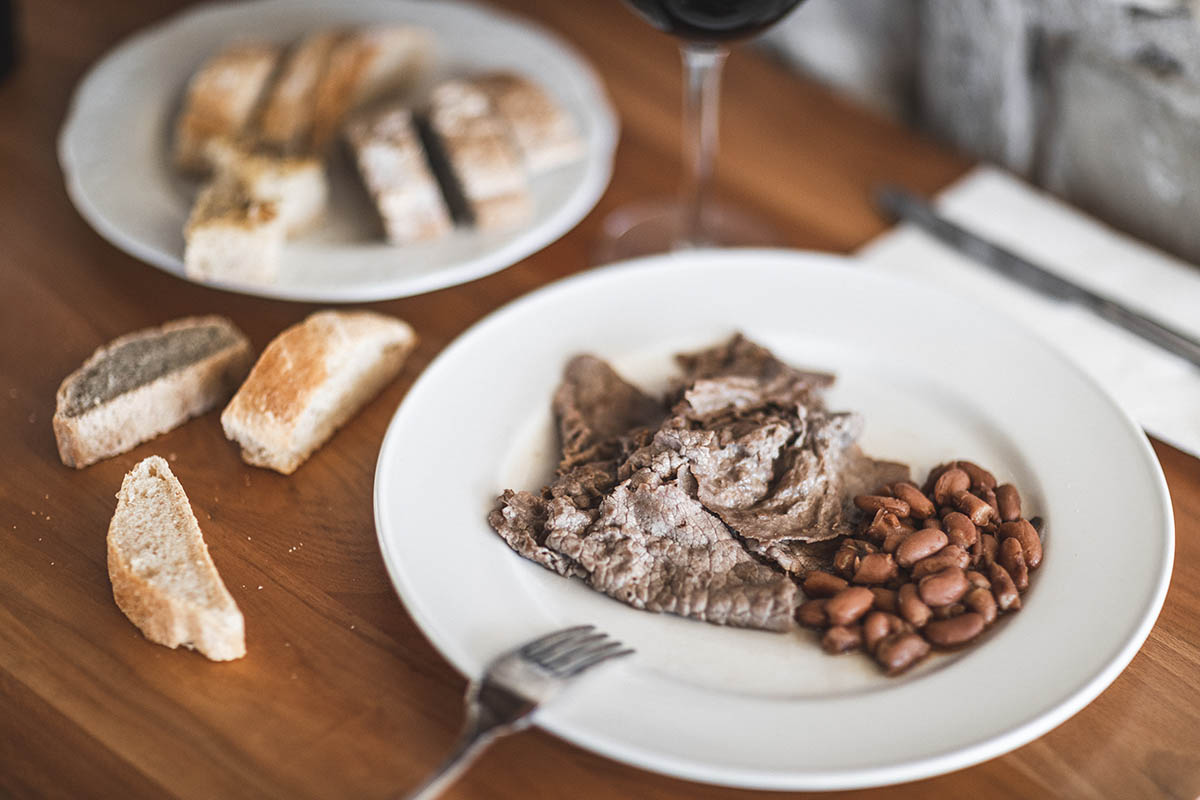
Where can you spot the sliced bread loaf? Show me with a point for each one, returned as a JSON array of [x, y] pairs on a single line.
[[146, 383], [162, 576], [310, 380]]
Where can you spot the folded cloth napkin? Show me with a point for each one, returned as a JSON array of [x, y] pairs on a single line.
[[1159, 390]]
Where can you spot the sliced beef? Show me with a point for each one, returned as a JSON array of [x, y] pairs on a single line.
[[741, 358], [811, 500], [597, 411], [655, 547], [520, 520], [709, 512]]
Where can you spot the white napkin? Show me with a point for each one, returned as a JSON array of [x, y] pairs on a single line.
[[1159, 390]]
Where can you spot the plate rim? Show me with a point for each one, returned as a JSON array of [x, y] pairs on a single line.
[[579, 205], [1042, 721]]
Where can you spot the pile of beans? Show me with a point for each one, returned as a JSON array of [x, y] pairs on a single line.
[[931, 566]]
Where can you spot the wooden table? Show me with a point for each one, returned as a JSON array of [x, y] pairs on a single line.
[[341, 695]]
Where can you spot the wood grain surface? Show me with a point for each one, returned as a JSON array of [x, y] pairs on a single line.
[[341, 695]]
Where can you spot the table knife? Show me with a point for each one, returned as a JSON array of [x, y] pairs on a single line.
[[907, 207]]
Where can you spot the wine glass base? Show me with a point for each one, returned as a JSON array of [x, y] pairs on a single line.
[[656, 226]]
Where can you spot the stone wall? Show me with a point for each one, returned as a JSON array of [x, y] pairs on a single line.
[[1096, 100]]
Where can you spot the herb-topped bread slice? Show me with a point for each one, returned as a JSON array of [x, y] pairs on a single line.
[[146, 383]]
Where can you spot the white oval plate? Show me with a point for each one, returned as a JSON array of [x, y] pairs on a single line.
[[936, 378], [114, 147]]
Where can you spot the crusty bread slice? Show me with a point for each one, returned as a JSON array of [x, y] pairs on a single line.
[[392, 163], [232, 236], [545, 133], [295, 186], [162, 576], [363, 67], [221, 98], [146, 383], [285, 123], [310, 380], [477, 143]]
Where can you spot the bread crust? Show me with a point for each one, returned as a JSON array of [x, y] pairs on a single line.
[[310, 380], [215, 629], [152, 408]]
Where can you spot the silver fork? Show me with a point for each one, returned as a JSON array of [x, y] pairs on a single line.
[[513, 686]]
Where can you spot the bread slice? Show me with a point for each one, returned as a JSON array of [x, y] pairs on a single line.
[[162, 576], [310, 380], [546, 134], [220, 101], [392, 163], [295, 186], [231, 236], [363, 67], [483, 158], [285, 123], [146, 383]]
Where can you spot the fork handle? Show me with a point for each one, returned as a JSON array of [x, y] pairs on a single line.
[[480, 729]]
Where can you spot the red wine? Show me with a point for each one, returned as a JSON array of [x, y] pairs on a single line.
[[712, 20]]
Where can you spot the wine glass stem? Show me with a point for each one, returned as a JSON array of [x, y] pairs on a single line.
[[701, 101]]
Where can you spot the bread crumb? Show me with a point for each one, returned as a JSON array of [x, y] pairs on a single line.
[[260, 587]]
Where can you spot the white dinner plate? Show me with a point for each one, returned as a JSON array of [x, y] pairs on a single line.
[[935, 376], [114, 147]]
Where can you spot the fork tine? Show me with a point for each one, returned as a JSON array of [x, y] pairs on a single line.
[[565, 657], [553, 638], [595, 659], [548, 655]]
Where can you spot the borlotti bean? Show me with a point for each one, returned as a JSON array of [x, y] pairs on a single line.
[[929, 567]]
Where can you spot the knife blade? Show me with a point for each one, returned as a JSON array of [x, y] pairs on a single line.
[[905, 206]]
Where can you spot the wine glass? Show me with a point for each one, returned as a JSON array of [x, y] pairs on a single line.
[[693, 220]]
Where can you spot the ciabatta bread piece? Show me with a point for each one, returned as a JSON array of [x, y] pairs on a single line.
[[294, 186], [546, 134], [231, 236], [478, 145], [363, 67], [392, 164], [221, 100], [146, 383], [162, 576], [310, 380]]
